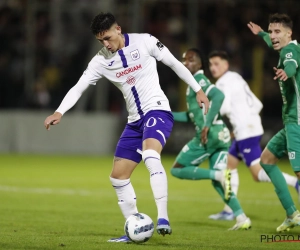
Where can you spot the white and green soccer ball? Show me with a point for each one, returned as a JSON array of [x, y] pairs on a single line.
[[139, 227]]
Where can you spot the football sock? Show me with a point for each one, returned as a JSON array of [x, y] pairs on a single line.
[[290, 180], [126, 196], [281, 187], [158, 181], [194, 173], [235, 181], [233, 202]]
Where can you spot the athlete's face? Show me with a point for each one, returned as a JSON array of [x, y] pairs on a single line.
[[280, 35], [191, 61], [218, 66], [112, 39]]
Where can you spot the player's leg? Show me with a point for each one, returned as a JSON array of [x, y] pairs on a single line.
[[251, 151], [216, 162], [188, 160], [232, 164], [157, 128], [126, 158], [275, 150]]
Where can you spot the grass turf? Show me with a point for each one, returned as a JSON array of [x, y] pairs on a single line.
[[67, 202]]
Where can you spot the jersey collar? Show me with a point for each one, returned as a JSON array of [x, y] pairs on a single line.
[[199, 72], [126, 39], [294, 42]]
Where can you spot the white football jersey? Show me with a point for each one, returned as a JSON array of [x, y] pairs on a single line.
[[133, 70], [240, 105]]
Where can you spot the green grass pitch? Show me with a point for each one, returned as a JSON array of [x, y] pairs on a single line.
[[67, 202]]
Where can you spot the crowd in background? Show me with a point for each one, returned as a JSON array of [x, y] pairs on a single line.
[[61, 57]]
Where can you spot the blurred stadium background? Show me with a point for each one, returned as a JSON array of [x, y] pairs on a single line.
[[45, 45]]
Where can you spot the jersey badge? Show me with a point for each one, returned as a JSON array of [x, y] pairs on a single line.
[[159, 45], [289, 55], [202, 83], [130, 80], [135, 54], [111, 63]]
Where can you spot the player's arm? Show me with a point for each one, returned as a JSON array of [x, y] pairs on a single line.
[[181, 116], [289, 59], [216, 98], [161, 53], [257, 30], [68, 102], [187, 77], [90, 76]]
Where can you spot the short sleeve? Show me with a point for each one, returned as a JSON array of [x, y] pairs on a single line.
[[155, 47]]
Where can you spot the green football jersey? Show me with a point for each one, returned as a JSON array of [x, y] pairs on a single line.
[[290, 89], [215, 97]]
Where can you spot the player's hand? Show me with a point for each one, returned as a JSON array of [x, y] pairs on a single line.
[[280, 74], [52, 120], [254, 28], [204, 133], [202, 99]]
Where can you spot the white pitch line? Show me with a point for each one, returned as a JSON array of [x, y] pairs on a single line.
[[105, 192], [63, 191]]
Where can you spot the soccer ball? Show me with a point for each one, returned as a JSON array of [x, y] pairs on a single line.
[[139, 227]]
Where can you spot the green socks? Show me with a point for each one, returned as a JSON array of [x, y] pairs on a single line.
[[233, 202], [281, 187]]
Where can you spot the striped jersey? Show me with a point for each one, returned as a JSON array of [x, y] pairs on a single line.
[[132, 69]]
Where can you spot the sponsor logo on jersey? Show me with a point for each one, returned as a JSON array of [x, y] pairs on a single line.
[[130, 80], [292, 155], [127, 71], [135, 54], [159, 45], [289, 55], [111, 63]]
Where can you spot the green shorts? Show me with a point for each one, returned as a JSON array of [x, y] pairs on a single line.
[[194, 153], [287, 142]]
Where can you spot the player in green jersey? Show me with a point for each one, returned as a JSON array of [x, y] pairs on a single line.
[[287, 140], [211, 141]]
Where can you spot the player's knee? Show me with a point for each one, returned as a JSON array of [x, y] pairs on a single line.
[[267, 158], [176, 172], [150, 154], [118, 182]]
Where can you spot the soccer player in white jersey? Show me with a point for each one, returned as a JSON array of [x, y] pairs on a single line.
[[242, 108], [129, 62]]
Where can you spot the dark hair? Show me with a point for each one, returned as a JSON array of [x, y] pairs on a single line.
[[102, 22], [281, 18], [197, 52], [199, 55], [219, 53]]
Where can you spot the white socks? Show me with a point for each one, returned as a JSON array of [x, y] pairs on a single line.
[[126, 196], [158, 181], [235, 181], [290, 180]]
